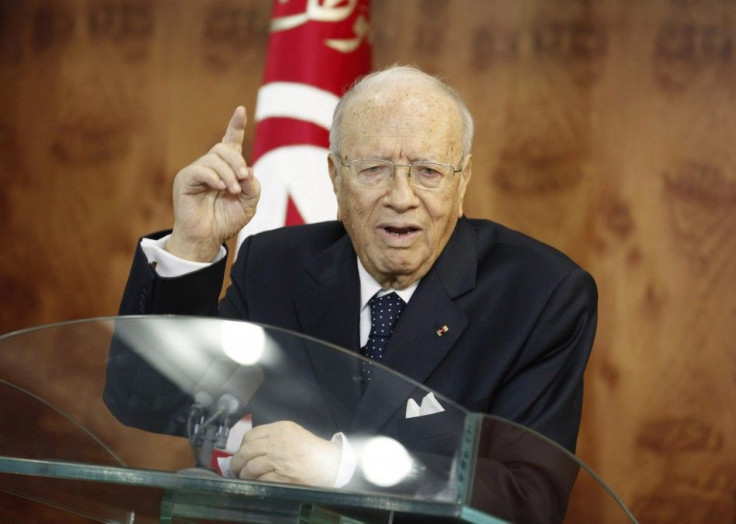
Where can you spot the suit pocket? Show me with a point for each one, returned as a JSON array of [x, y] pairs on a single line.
[[436, 433]]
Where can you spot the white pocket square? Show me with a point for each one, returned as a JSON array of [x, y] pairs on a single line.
[[429, 406]]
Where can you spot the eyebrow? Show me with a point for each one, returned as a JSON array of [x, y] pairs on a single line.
[[411, 160]]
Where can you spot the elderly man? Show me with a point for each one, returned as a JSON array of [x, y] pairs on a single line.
[[490, 318]]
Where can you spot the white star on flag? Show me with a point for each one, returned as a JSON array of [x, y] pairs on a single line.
[[316, 50]]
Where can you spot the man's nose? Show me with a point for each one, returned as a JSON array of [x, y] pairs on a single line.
[[400, 193]]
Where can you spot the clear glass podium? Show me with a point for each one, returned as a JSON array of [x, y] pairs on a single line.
[[135, 419]]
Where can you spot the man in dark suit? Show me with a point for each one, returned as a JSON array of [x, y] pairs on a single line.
[[493, 320]]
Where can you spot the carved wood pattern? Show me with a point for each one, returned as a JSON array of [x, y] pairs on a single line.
[[604, 127]]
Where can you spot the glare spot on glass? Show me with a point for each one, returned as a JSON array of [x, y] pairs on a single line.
[[385, 462], [243, 342]]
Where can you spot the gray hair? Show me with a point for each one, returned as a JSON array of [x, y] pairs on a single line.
[[397, 74]]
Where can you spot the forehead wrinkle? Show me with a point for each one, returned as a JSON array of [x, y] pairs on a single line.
[[393, 132], [403, 123], [397, 146]]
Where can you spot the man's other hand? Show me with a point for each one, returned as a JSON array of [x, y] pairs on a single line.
[[286, 452], [214, 197]]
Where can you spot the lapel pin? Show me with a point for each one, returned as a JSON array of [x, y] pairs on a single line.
[[441, 331]]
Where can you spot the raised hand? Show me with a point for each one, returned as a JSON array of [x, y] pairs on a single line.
[[214, 197], [286, 452]]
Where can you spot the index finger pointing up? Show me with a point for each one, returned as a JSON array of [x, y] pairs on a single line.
[[235, 133]]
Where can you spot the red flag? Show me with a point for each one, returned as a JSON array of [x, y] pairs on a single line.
[[316, 50]]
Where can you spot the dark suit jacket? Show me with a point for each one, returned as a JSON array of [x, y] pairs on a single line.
[[521, 316]]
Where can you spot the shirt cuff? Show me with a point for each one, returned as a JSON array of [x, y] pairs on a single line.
[[168, 265], [348, 462]]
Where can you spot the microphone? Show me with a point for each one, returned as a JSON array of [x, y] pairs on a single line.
[[233, 386], [239, 389], [210, 385]]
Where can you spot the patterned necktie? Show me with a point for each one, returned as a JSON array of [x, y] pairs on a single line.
[[385, 311]]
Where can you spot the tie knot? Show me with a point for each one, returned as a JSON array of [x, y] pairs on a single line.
[[385, 311]]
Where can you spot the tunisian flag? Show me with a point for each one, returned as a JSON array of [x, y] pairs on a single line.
[[316, 50]]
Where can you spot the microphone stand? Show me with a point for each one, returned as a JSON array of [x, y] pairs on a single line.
[[205, 434]]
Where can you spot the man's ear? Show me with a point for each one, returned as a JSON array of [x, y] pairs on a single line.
[[465, 175], [332, 168]]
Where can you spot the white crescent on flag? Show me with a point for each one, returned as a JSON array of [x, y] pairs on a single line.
[[316, 50]]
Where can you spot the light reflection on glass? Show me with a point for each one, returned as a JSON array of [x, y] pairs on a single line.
[[244, 343], [385, 462]]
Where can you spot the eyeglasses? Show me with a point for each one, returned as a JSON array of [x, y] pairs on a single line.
[[375, 173]]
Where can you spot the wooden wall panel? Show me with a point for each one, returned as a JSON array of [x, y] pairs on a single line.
[[604, 127]]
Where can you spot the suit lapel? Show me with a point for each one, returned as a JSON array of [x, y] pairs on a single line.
[[428, 329], [330, 312]]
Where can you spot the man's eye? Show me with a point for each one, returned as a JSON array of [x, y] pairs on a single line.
[[374, 170], [427, 172]]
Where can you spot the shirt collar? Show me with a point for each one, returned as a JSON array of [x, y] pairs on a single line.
[[369, 287]]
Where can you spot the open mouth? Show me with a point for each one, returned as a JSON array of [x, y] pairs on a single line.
[[400, 231], [399, 236]]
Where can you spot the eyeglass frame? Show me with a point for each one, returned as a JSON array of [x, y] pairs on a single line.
[[350, 163]]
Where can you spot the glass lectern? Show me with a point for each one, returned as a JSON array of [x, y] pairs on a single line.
[[135, 419]]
